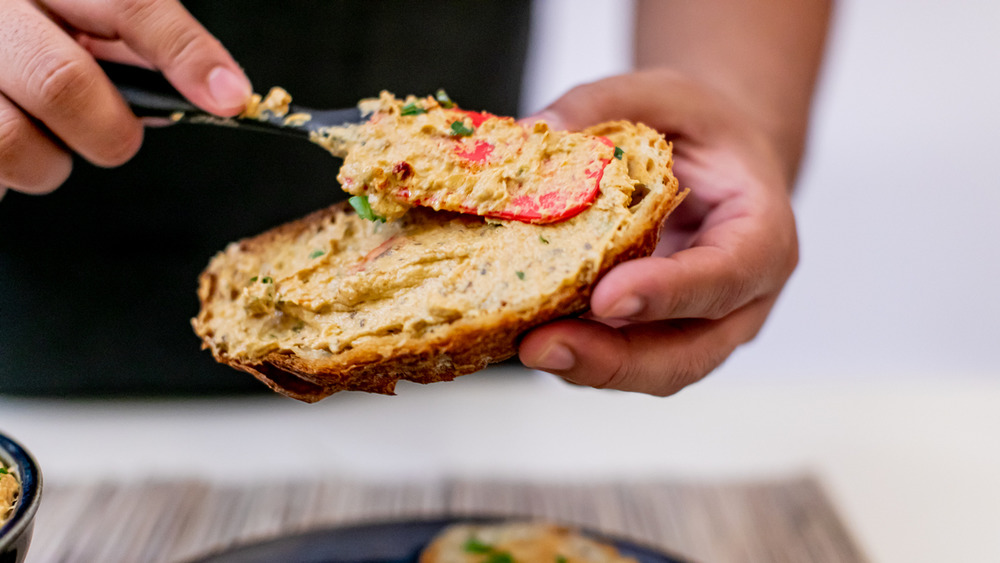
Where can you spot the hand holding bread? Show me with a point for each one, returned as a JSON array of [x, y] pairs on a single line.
[[337, 302], [660, 323], [655, 323]]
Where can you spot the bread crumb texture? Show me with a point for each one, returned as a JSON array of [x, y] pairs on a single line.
[[335, 302]]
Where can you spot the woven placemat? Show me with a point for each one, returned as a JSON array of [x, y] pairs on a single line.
[[785, 520]]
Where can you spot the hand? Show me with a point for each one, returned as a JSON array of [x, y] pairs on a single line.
[[54, 97], [660, 323]]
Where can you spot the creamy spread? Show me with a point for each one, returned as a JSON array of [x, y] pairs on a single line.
[[420, 151], [275, 103], [9, 490], [338, 284]]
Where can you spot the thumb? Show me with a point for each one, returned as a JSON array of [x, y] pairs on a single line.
[[660, 98]]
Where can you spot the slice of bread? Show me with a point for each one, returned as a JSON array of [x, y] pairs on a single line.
[[517, 541], [334, 302]]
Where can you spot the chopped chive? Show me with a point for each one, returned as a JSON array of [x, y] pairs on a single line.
[[459, 129], [363, 209], [3, 470], [561, 559], [316, 254], [543, 239], [619, 152], [267, 279], [412, 109], [473, 545], [520, 274], [253, 279], [500, 557], [442, 97]]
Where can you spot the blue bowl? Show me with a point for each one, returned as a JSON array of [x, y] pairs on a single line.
[[15, 534]]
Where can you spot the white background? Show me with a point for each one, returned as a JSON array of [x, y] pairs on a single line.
[[899, 199]]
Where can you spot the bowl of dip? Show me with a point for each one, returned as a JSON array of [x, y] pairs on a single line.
[[20, 493]]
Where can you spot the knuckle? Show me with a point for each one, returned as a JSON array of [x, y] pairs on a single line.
[[617, 378], [117, 149], [695, 370], [175, 38], [177, 42], [698, 361], [600, 95], [23, 163], [732, 297], [621, 375], [62, 84], [134, 12], [189, 43], [66, 89], [12, 136]]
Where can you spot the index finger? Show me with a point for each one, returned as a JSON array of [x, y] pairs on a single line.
[[50, 77], [168, 36]]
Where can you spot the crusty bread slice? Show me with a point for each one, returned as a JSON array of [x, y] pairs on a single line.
[[334, 302], [521, 541]]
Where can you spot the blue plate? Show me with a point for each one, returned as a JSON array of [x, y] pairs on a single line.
[[385, 542], [15, 533]]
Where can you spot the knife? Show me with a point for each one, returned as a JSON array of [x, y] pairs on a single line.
[[149, 94], [551, 195]]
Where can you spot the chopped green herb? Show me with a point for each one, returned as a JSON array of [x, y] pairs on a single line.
[[253, 279], [561, 559], [459, 129], [364, 210], [442, 97], [500, 557], [316, 254], [3, 470], [619, 152], [520, 274], [267, 279], [412, 109], [543, 239], [473, 545]]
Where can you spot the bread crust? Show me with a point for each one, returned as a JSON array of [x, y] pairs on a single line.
[[465, 345]]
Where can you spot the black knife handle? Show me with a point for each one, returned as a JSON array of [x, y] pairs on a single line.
[[149, 94]]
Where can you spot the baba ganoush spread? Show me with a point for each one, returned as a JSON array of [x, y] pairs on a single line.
[[328, 284], [428, 152]]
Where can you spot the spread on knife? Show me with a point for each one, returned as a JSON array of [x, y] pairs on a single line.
[[428, 152]]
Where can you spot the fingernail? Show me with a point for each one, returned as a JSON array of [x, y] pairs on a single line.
[[228, 89], [625, 307], [556, 357]]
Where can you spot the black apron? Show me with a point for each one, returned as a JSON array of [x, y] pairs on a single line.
[[98, 279]]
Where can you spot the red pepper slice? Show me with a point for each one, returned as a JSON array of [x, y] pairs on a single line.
[[557, 193]]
